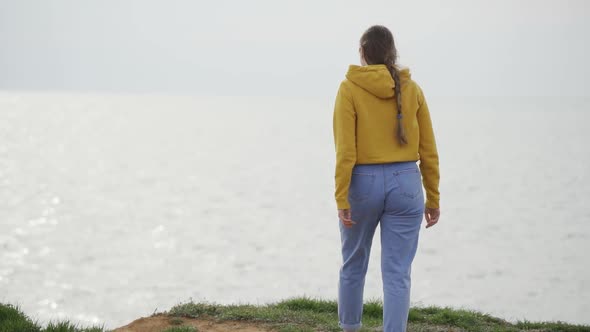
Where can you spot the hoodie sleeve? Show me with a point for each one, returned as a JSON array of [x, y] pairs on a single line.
[[429, 163], [344, 124]]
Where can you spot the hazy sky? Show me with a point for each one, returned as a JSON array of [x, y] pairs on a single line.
[[272, 47]]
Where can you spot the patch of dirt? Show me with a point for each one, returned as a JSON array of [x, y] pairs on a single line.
[[160, 322]]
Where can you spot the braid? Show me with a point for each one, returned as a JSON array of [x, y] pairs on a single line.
[[401, 134]]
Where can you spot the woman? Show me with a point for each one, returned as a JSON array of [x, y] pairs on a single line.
[[382, 128]]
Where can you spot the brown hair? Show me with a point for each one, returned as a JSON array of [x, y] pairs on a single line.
[[379, 48]]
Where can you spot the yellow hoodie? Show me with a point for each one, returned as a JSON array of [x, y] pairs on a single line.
[[365, 126]]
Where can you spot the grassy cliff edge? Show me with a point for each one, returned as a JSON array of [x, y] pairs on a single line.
[[291, 315]]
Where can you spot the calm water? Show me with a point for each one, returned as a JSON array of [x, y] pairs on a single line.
[[112, 206]]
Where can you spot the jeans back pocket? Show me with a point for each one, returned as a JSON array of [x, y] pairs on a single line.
[[409, 181], [360, 186]]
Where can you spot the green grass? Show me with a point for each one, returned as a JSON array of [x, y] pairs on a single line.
[[309, 314], [305, 314], [12, 319]]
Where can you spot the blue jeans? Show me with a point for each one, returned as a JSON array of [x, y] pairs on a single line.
[[390, 194]]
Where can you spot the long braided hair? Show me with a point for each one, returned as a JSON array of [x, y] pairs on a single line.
[[379, 48]]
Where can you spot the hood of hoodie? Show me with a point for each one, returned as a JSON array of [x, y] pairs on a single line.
[[376, 79]]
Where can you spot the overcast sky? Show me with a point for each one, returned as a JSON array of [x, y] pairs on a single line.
[[273, 47]]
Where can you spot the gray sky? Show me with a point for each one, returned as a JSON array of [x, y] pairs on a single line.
[[272, 47]]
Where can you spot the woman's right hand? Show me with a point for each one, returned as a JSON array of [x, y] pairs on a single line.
[[431, 215]]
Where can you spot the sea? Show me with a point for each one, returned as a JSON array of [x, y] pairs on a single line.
[[115, 206]]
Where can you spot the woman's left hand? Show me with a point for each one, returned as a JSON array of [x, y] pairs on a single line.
[[345, 216]]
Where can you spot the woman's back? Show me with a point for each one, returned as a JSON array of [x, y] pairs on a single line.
[[365, 124]]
